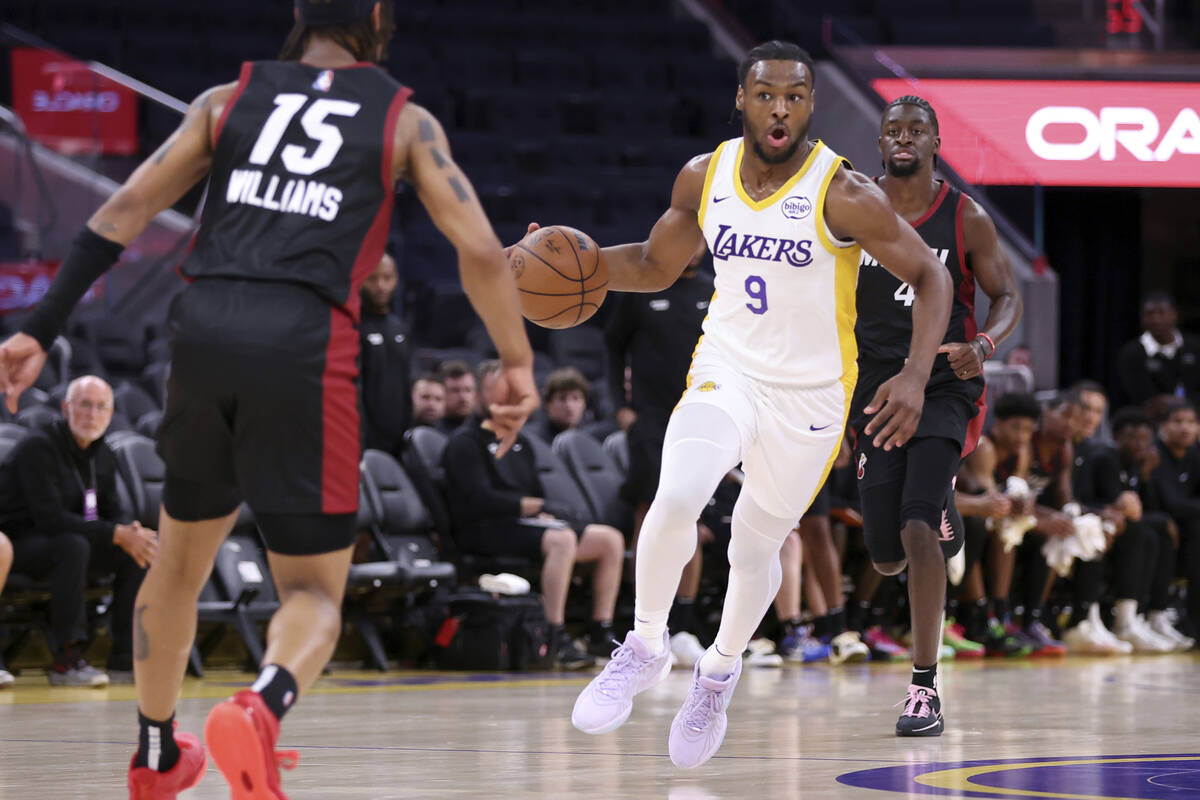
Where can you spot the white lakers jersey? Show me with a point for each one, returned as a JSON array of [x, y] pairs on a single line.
[[784, 308]]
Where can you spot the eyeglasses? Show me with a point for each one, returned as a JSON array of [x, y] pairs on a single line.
[[87, 405]]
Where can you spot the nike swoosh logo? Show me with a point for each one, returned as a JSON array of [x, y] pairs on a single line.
[[823, 427], [721, 199]]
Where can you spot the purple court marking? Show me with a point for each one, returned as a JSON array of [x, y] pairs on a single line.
[[1148, 778]]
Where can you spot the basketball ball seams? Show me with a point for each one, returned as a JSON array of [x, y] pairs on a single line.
[[553, 294], [571, 293], [582, 280], [547, 263], [557, 314]]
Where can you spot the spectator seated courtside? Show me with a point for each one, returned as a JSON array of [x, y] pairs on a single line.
[[59, 504]]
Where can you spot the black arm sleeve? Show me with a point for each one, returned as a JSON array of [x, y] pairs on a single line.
[[39, 476], [469, 482], [91, 255]]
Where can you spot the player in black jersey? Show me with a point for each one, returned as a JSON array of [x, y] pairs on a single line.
[[903, 490], [302, 157]]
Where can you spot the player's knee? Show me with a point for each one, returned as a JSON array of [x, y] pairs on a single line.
[[890, 567]]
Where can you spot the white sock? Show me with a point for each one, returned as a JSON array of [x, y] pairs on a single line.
[[1126, 613], [701, 445]]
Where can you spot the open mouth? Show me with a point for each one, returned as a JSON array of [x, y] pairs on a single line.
[[778, 136]]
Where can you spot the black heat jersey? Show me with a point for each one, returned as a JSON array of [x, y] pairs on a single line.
[[884, 325], [301, 186]]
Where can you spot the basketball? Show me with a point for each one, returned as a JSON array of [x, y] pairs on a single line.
[[559, 276]]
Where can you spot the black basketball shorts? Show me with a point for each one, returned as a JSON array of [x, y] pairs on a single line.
[[901, 485], [262, 406]]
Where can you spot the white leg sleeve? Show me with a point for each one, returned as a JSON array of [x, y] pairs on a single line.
[[754, 578], [702, 444]]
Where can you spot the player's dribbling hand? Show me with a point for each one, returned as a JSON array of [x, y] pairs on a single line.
[[965, 359], [533, 226], [897, 408], [520, 399], [21, 361]]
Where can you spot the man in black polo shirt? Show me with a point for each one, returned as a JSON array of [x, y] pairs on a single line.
[[387, 403], [1177, 480], [58, 503], [1162, 362]]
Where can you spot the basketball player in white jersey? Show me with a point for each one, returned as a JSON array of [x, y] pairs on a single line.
[[772, 376]]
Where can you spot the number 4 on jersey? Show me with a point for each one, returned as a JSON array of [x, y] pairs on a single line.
[[905, 294]]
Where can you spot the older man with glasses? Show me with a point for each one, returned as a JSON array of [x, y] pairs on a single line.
[[59, 505]]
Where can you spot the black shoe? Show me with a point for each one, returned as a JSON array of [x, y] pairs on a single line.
[[922, 713], [602, 645], [568, 655]]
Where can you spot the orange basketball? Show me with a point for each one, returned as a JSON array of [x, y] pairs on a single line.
[[559, 275]]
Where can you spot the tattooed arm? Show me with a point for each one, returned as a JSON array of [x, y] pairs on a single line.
[[161, 180], [422, 157], [154, 186]]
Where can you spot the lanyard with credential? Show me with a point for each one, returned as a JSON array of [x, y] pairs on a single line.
[[91, 503]]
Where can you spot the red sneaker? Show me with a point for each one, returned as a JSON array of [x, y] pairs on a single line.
[[150, 784], [241, 733]]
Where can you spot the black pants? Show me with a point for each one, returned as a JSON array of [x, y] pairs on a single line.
[[66, 561], [1189, 553], [1160, 571]]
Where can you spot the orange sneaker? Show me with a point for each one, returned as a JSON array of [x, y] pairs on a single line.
[[241, 734], [150, 784]]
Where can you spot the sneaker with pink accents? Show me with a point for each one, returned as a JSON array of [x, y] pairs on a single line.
[[699, 727], [922, 714], [882, 646]]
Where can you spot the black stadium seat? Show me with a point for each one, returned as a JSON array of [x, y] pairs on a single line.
[[616, 444], [598, 476], [408, 564], [422, 460], [143, 473], [133, 401], [557, 482]]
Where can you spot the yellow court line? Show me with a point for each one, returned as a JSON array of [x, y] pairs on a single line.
[[960, 778], [202, 689]]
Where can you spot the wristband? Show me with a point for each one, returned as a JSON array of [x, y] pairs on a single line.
[[90, 256], [988, 339]]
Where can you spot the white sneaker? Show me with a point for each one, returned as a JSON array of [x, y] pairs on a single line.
[[761, 653], [848, 647], [1160, 623], [1122, 647], [1085, 639], [1143, 639], [6, 678], [685, 649]]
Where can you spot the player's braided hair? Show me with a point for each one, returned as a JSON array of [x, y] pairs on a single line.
[[919, 102], [360, 38], [776, 50]]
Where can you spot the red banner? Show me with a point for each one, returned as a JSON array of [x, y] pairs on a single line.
[[71, 109], [24, 283], [1065, 133]]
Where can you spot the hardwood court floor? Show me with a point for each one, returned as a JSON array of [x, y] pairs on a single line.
[[1075, 728]]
